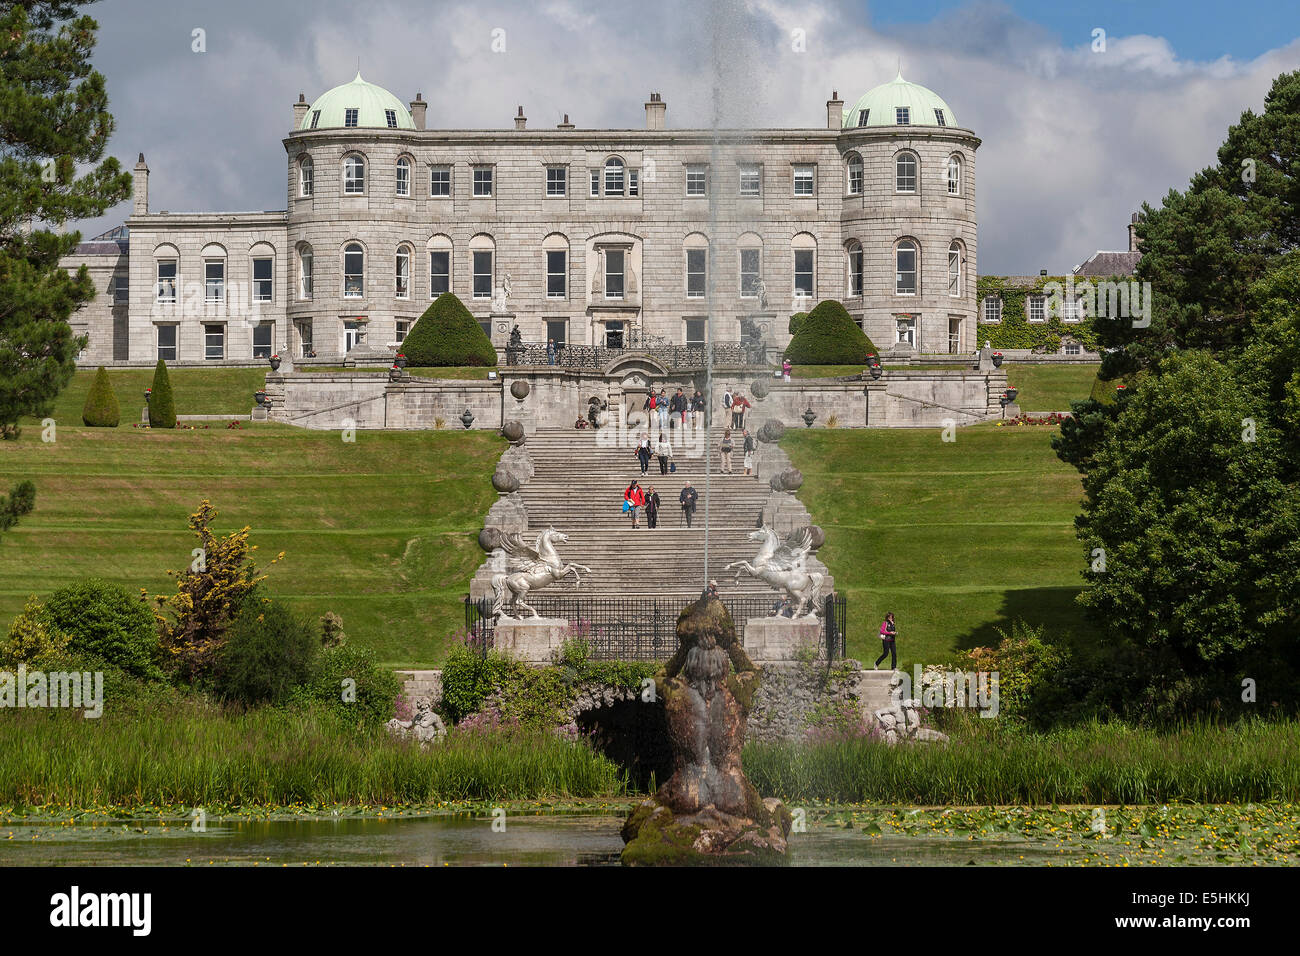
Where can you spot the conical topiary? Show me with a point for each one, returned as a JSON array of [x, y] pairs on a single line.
[[448, 334], [162, 407], [829, 336], [101, 409]]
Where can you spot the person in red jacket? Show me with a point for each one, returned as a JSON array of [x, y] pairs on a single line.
[[738, 405], [887, 636], [635, 499]]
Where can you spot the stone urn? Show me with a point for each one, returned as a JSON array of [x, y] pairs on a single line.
[[997, 359], [275, 363]]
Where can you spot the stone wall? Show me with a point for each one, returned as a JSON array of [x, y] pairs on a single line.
[[790, 694]]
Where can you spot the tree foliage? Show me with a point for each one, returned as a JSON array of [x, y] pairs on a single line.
[[162, 404], [104, 621], [101, 409], [447, 334], [829, 336], [268, 652]]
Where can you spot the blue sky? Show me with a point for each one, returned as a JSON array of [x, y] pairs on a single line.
[[1074, 140]]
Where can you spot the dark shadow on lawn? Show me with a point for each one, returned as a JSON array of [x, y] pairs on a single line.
[[1054, 609]]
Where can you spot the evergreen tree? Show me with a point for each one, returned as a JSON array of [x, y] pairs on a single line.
[[162, 406], [447, 334], [828, 336], [54, 120], [101, 409]]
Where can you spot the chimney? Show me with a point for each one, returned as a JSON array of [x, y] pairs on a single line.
[[566, 124], [299, 110], [1133, 241], [655, 111], [521, 121], [418, 106], [835, 111], [140, 179]]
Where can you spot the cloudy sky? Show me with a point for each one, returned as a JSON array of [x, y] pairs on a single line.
[[1074, 138]]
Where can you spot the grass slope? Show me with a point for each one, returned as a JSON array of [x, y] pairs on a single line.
[[956, 538], [382, 531]]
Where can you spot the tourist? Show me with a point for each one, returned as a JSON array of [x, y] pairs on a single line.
[[688, 498], [634, 501], [712, 590], [887, 636], [726, 401], [738, 406], [697, 408], [652, 508], [550, 351], [726, 451], [785, 369], [664, 452], [649, 406], [678, 406], [748, 449], [643, 453], [661, 405]]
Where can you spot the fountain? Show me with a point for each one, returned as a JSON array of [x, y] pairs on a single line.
[[707, 811]]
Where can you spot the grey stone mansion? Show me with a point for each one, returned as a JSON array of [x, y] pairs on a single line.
[[592, 237]]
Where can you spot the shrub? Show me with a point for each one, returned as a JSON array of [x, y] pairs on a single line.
[[101, 409], [268, 652], [162, 406], [369, 700], [104, 621], [468, 679], [1031, 676], [829, 336], [796, 320], [447, 334], [31, 639]]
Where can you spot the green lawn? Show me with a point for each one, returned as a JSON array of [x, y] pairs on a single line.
[[382, 531], [1050, 388], [449, 371], [198, 391], [955, 538]]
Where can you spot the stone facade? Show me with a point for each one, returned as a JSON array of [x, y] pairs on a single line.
[[521, 219]]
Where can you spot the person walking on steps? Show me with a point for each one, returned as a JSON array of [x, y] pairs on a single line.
[[726, 451], [738, 405], [887, 638], [661, 406], [651, 407], [697, 408], [688, 499], [748, 449], [634, 501], [664, 452], [652, 508], [643, 452]]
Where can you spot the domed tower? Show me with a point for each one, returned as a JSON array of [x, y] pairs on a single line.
[[908, 219], [352, 207]]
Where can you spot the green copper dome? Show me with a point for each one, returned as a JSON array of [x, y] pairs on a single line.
[[882, 106], [374, 107]]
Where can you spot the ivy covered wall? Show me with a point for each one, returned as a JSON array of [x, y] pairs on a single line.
[[1015, 331]]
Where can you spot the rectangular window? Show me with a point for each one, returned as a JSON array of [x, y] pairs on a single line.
[[403, 179], [695, 330], [750, 271], [440, 181], [121, 288], [439, 273], [1073, 348], [750, 179], [305, 263], [863, 116], [350, 118], [315, 118], [403, 326], [614, 273], [938, 117], [696, 272], [804, 177], [307, 178], [167, 343], [1037, 308], [214, 343], [483, 181], [391, 117], [402, 276], [166, 291], [351, 335], [614, 335], [595, 182], [262, 282], [354, 176], [557, 273], [855, 272], [304, 338], [262, 339], [803, 271], [855, 179], [906, 334], [557, 331], [905, 280], [214, 280], [902, 115], [556, 180], [483, 275], [1071, 309], [992, 309], [634, 182], [697, 180]]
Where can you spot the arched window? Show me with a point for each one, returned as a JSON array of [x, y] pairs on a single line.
[[954, 175], [905, 267], [354, 176], [804, 247], [750, 248], [555, 249], [403, 177], [354, 271], [482, 261], [305, 271], [613, 176], [954, 268], [439, 249], [306, 174], [855, 263], [905, 173], [697, 265], [854, 175], [402, 273]]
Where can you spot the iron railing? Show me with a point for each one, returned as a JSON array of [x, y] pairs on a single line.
[[645, 629], [725, 355]]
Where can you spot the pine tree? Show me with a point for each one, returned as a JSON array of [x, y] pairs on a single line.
[[54, 120], [101, 409], [162, 407]]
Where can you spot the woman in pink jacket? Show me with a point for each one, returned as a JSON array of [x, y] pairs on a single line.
[[887, 635]]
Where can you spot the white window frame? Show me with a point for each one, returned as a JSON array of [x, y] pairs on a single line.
[[1036, 305], [403, 177], [562, 274], [439, 252], [211, 283], [402, 273], [955, 270], [615, 176], [992, 312], [857, 263], [351, 116], [483, 177], [697, 180], [176, 341], [257, 283], [750, 180], [440, 188], [855, 176], [810, 272], [804, 180], [557, 186], [359, 292], [903, 179], [306, 177], [168, 284], [908, 246], [621, 255], [207, 341], [354, 176], [902, 116], [306, 272], [954, 175], [269, 326]]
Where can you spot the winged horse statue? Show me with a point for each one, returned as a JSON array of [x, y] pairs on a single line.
[[782, 564], [531, 566]]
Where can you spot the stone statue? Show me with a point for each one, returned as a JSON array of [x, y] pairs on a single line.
[[506, 288], [900, 722], [708, 808], [782, 564], [530, 567], [425, 725], [516, 338], [762, 294]]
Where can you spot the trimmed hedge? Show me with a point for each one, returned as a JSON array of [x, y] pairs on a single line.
[[447, 334], [162, 405], [101, 409], [829, 336], [796, 320]]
